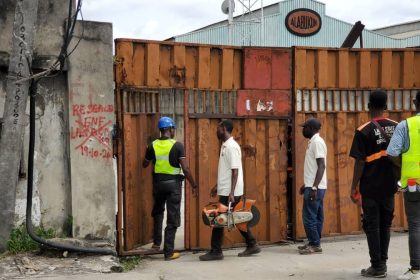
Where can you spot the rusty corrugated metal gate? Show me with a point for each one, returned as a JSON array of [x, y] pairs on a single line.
[[334, 85], [267, 92]]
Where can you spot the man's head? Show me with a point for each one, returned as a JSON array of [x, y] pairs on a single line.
[[378, 100], [416, 101], [310, 127], [224, 129], [167, 127]]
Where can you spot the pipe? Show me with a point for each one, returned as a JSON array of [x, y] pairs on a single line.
[[29, 227]]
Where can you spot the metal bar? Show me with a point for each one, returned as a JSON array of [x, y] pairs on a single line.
[[233, 116], [187, 223]]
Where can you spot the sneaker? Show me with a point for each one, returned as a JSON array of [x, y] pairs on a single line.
[[211, 256], [311, 250], [174, 256], [373, 272], [155, 247], [250, 251], [411, 274], [303, 247]]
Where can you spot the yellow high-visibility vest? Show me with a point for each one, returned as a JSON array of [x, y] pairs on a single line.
[[162, 164], [411, 159]]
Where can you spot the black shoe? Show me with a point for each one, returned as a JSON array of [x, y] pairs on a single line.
[[373, 272], [212, 256], [250, 251]]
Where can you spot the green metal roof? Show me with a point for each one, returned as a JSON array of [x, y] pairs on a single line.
[[332, 33]]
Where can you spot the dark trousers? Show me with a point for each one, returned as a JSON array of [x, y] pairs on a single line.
[[217, 233], [412, 211], [313, 216], [377, 220], [169, 193]]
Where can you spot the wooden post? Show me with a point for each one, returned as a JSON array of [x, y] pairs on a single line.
[[14, 111]]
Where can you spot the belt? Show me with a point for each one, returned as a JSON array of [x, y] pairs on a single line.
[[169, 181]]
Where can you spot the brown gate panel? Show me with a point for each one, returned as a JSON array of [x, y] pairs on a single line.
[[138, 132], [334, 85], [341, 215], [141, 63], [266, 68], [357, 69], [271, 103], [264, 153]]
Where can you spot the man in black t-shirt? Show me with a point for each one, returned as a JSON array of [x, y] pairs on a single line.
[[376, 176], [168, 157]]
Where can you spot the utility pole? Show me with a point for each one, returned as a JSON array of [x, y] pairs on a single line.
[[17, 89]]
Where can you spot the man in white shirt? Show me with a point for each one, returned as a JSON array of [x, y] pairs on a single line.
[[230, 188], [315, 179]]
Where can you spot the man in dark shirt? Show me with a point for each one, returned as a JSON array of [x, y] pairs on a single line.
[[168, 157], [375, 174]]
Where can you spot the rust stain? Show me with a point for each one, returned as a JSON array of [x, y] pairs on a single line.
[[249, 151]]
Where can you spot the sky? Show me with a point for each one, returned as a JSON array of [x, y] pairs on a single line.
[[162, 19]]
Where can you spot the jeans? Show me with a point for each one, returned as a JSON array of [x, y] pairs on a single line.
[[217, 233], [412, 211], [377, 221], [169, 193], [313, 216]]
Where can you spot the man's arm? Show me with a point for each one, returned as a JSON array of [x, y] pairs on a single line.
[[395, 160], [359, 165], [233, 185], [187, 172], [319, 172], [397, 145], [318, 176], [149, 154]]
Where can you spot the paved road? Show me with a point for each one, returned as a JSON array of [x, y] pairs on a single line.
[[342, 259]]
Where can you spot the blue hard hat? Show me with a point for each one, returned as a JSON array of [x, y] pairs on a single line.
[[166, 122]]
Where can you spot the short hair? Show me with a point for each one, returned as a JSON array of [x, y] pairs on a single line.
[[378, 99], [228, 124]]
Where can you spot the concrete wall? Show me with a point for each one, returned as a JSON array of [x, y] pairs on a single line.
[[52, 15], [91, 108], [69, 181], [51, 202]]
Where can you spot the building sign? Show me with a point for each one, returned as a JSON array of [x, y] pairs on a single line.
[[303, 22]]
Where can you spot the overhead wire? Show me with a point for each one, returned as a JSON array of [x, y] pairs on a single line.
[[58, 66]]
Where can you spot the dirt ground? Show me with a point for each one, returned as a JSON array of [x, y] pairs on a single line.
[[343, 258]]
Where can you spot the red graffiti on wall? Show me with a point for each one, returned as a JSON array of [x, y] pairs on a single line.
[[91, 123]]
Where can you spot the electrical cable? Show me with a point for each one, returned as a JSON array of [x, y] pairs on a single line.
[[58, 65], [29, 227]]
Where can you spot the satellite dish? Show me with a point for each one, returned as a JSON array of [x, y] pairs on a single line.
[[225, 6]]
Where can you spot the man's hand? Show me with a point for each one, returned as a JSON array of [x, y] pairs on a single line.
[[213, 191], [231, 197], [312, 195], [355, 196], [302, 190], [194, 190]]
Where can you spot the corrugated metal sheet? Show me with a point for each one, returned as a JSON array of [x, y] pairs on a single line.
[[334, 85], [331, 84], [142, 63], [341, 215], [357, 69], [264, 154], [332, 33]]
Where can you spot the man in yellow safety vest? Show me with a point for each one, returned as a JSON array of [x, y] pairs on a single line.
[[404, 151], [170, 167]]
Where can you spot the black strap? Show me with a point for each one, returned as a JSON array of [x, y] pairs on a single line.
[[381, 130]]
